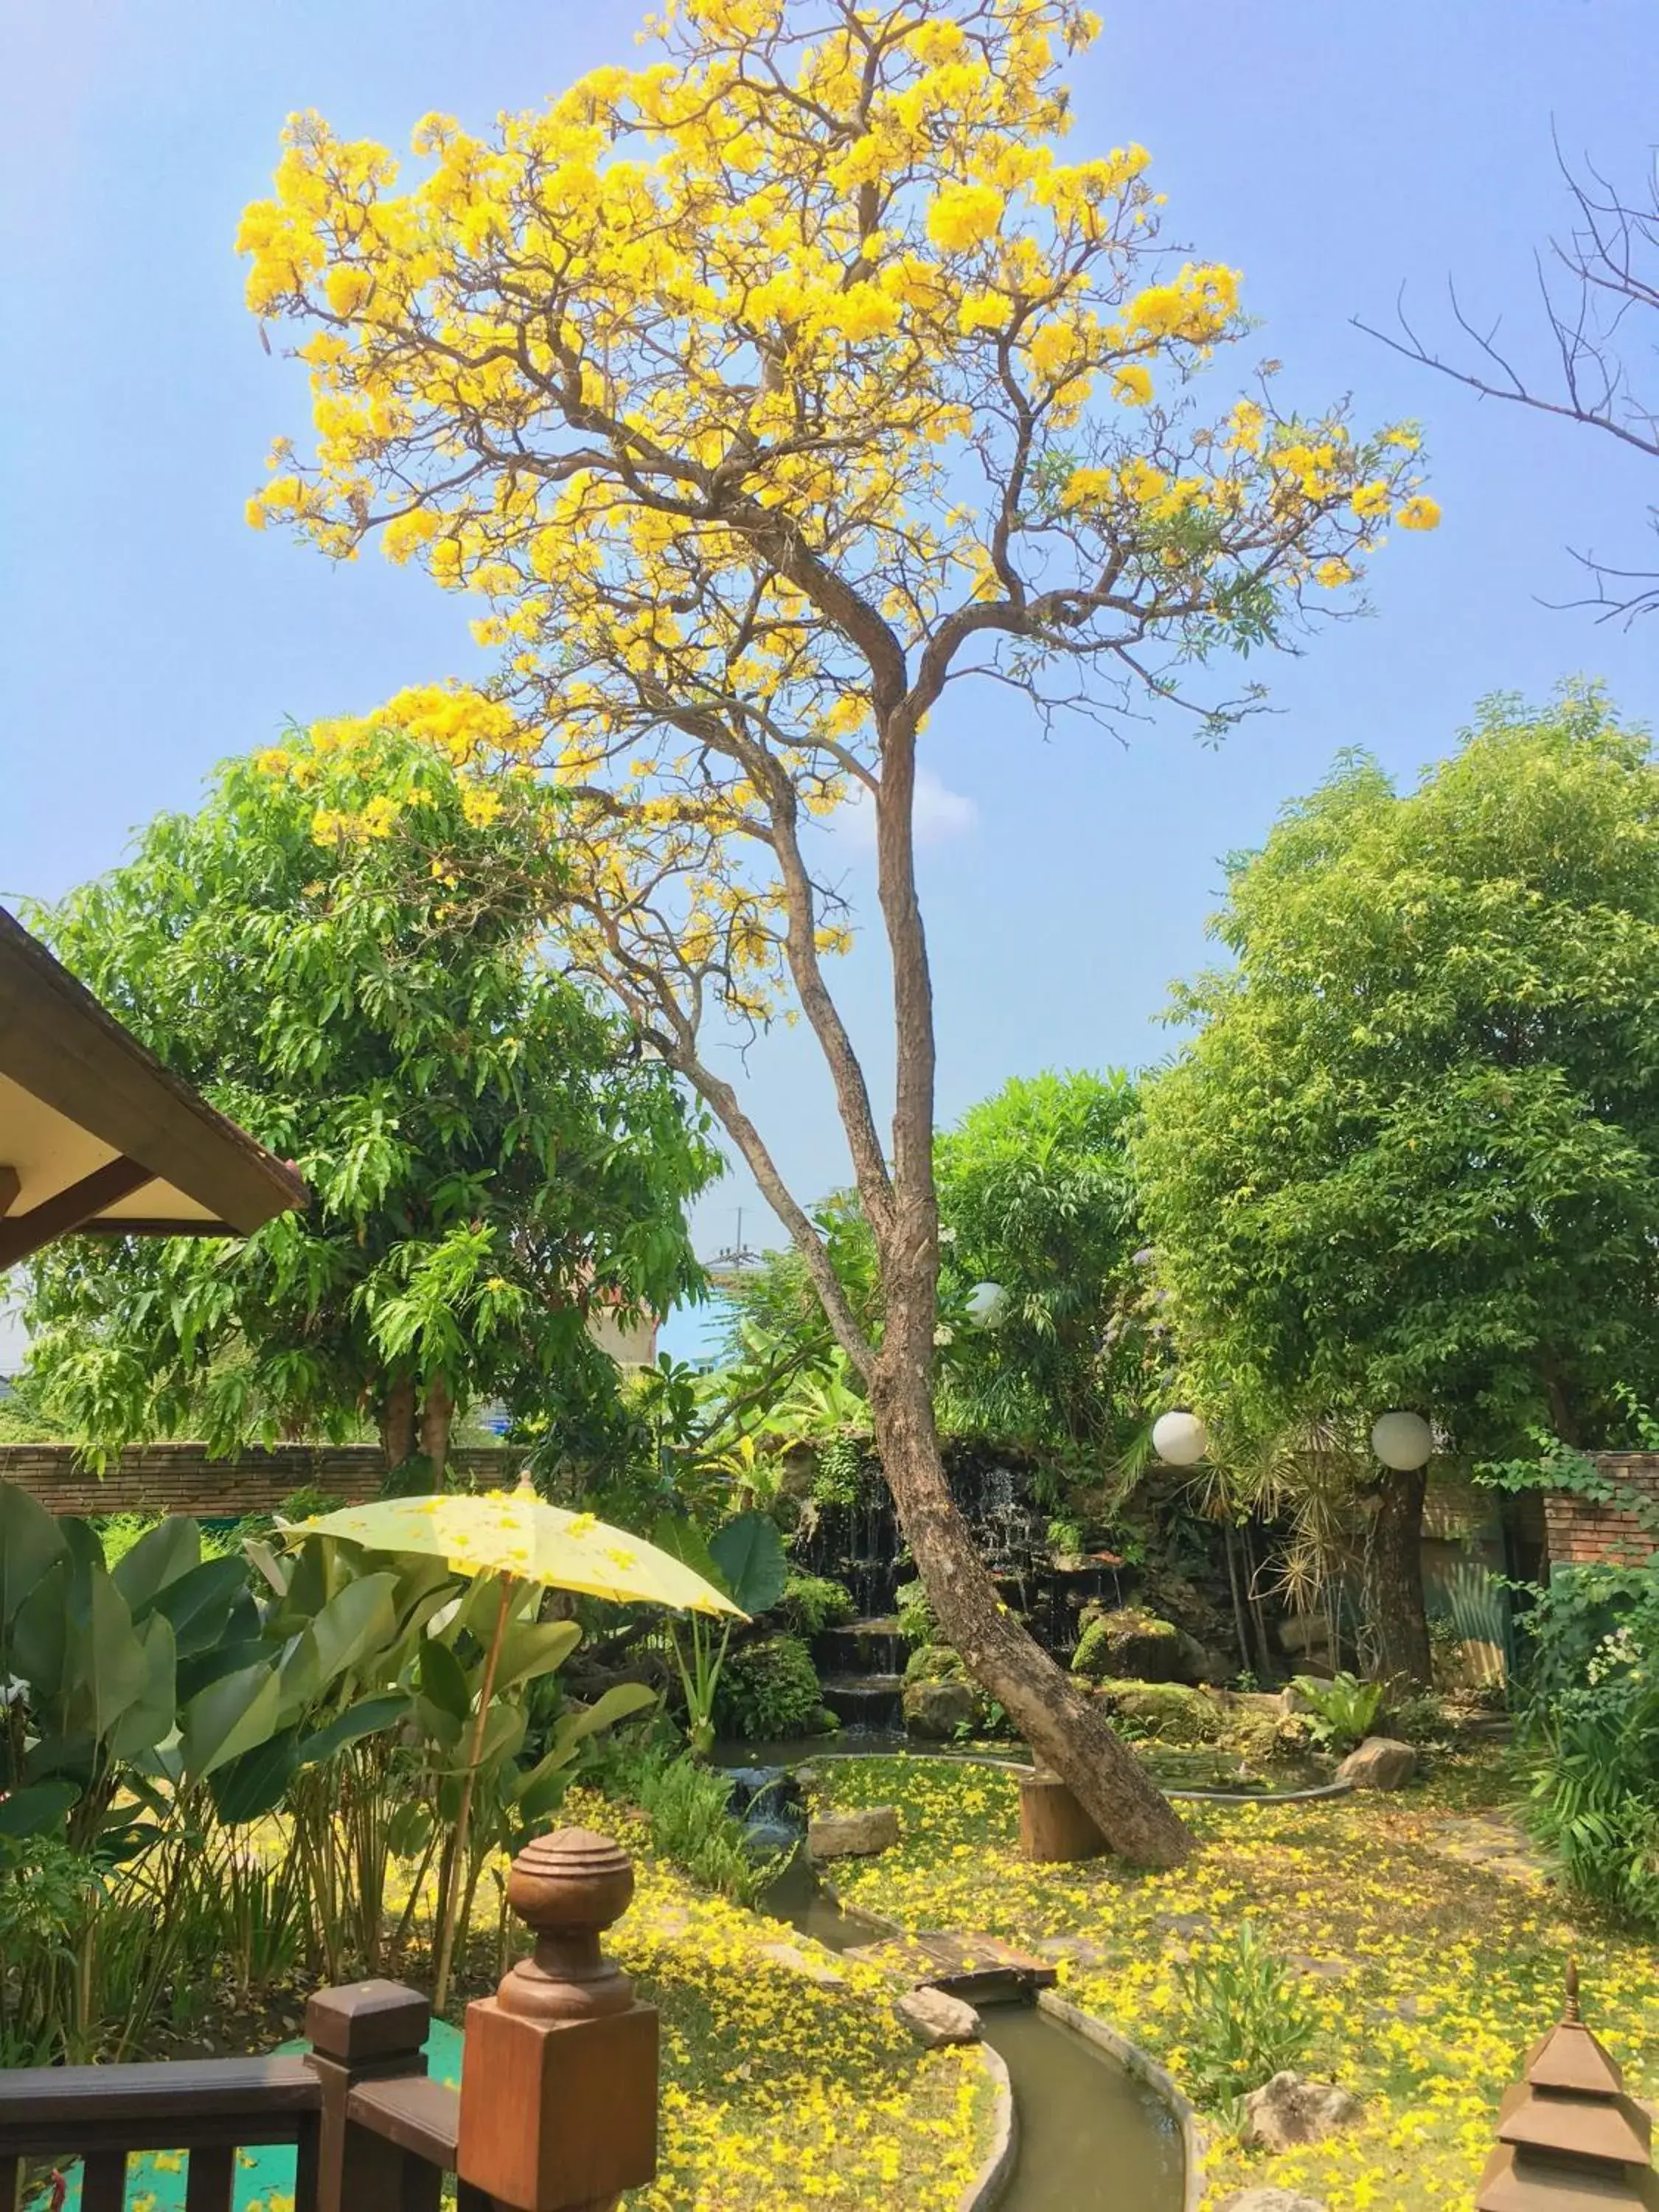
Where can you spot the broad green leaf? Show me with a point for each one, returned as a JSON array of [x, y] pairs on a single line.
[[534, 1649], [229, 1718], [539, 1788], [368, 1717], [203, 1668], [504, 1733], [750, 1556], [443, 1679], [37, 1809], [683, 1541], [201, 1604], [150, 1719], [168, 1551], [248, 1787], [106, 1668], [360, 1620], [39, 1635], [31, 1546]]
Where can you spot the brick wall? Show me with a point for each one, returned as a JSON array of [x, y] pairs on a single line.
[[1581, 1532], [181, 1478]]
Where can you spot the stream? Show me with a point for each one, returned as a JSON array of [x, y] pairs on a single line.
[[1089, 2136]]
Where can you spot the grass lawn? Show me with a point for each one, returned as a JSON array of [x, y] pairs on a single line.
[[1430, 1977]]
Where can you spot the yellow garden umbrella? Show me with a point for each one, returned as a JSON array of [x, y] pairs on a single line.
[[512, 1533]]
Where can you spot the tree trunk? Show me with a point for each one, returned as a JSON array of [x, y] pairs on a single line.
[[437, 1415], [1395, 1612], [1063, 1725], [397, 1421]]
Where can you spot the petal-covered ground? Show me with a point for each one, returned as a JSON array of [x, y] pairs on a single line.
[[782, 2092], [1430, 1975]]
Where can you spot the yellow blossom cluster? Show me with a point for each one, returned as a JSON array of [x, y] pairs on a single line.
[[740, 387]]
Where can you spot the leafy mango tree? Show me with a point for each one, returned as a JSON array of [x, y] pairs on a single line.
[[490, 1157], [767, 394], [1411, 1155]]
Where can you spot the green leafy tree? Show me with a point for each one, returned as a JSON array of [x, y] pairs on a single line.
[[489, 1154], [1036, 1196], [1411, 1157]]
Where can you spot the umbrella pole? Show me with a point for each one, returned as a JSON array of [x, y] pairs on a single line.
[[446, 1902]]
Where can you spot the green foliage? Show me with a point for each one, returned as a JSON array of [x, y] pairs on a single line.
[[935, 1662], [686, 1805], [1412, 1155], [1589, 1728], [768, 1688], [1245, 2016], [1035, 1194], [813, 1603], [486, 1153], [916, 1616], [1342, 1711]]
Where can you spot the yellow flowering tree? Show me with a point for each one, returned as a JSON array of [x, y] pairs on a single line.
[[761, 393]]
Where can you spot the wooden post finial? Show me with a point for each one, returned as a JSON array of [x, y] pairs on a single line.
[[1569, 2013], [559, 2069], [568, 1888]]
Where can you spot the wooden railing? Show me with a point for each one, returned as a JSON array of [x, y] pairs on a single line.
[[556, 2111]]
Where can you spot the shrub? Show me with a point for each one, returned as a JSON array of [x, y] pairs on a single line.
[[768, 1688], [916, 1616], [1341, 1711], [1591, 1726], [812, 1602], [686, 1805], [1245, 2016]]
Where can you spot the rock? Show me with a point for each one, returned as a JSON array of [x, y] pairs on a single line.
[[1288, 2110], [1305, 1632], [1271, 2199], [1172, 1711], [934, 2018], [1293, 1701], [859, 1833], [937, 1710], [1382, 1762], [1130, 1645]]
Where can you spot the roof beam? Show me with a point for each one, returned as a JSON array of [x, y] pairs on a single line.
[[10, 1184], [23, 1233]]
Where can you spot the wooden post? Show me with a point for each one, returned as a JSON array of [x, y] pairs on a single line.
[[367, 2031], [1052, 1825], [1568, 2136], [559, 2069]]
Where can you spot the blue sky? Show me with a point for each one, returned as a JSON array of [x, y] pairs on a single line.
[[1333, 154]]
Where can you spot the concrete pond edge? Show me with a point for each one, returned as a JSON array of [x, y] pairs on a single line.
[[1025, 1767], [997, 2167], [1146, 2071]]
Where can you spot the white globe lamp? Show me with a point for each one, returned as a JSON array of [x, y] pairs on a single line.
[[1402, 1441], [1180, 1439], [987, 1305]]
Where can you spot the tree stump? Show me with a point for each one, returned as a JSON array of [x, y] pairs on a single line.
[[1052, 1825]]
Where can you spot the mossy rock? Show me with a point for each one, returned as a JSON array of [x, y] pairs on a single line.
[[1171, 1713], [935, 1662], [1131, 1646]]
